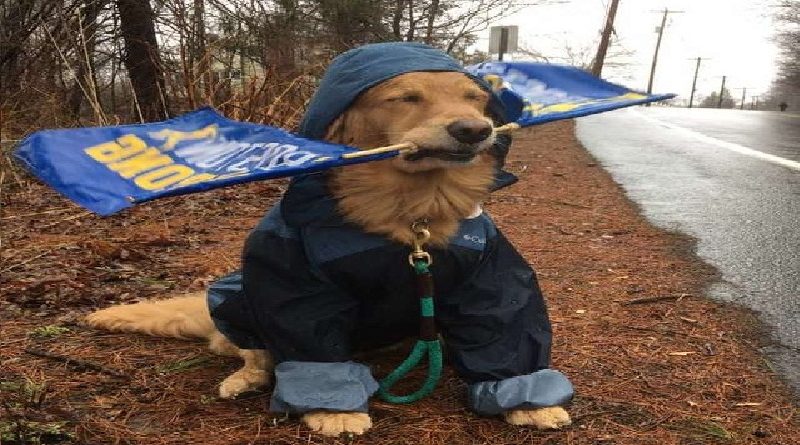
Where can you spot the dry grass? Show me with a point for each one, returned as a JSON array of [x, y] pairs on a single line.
[[677, 370]]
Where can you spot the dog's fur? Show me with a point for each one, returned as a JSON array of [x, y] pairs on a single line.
[[382, 197]]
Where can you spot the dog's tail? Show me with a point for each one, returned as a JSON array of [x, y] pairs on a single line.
[[179, 317]]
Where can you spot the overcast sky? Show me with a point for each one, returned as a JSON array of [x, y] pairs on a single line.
[[736, 36]]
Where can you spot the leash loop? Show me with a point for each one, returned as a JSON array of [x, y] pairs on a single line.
[[428, 343]]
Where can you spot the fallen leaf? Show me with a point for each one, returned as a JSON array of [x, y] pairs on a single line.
[[104, 402]]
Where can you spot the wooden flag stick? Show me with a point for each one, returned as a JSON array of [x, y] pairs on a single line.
[[404, 147], [408, 147]]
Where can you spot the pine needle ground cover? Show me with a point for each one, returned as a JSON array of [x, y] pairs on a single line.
[[653, 360]]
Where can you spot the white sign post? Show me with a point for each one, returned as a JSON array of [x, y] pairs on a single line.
[[502, 40]]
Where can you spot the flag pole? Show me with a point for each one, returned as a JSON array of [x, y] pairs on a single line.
[[408, 147]]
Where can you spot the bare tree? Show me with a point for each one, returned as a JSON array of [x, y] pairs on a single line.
[[20, 21], [85, 83], [142, 59], [786, 87], [253, 59]]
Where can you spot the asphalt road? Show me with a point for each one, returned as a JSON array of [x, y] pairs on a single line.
[[731, 179]]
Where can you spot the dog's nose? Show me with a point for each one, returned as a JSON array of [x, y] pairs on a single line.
[[470, 131]]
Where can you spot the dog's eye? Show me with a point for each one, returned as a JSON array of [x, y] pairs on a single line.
[[408, 98], [411, 98]]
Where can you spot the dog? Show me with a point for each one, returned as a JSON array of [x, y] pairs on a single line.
[[444, 181]]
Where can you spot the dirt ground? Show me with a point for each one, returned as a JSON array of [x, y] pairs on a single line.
[[653, 362]]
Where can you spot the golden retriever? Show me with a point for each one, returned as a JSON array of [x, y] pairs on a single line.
[[445, 181]]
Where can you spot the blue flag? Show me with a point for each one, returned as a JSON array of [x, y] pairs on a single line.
[[107, 169], [536, 93]]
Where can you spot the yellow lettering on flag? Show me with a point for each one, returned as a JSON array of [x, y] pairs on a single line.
[[633, 96], [495, 81], [174, 137], [122, 148], [533, 108], [148, 159], [196, 179], [163, 177], [556, 108]]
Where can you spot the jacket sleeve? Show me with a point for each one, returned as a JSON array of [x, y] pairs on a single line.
[[305, 321], [498, 335]]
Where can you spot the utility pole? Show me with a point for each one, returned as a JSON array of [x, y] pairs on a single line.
[[754, 103], [744, 93], [602, 49], [694, 82], [744, 96], [667, 12], [721, 90]]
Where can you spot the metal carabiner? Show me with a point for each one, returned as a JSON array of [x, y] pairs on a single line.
[[421, 234]]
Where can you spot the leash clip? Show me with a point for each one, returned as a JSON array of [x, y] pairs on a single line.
[[428, 343], [421, 234]]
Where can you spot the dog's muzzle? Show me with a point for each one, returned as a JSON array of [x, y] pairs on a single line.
[[443, 154], [469, 133]]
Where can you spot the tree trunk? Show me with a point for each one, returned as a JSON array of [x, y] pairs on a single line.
[[19, 20], [114, 65], [397, 19], [202, 72], [282, 45], [412, 24], [142, 58], [431, 19]]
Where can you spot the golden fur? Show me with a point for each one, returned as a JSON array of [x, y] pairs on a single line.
[[386, 197], [382, 197]]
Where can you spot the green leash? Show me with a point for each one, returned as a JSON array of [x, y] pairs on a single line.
[[428, 342]]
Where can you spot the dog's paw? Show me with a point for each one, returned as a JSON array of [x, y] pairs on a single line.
[[334, 424], [104, 319], [551, 418], [241, 382]]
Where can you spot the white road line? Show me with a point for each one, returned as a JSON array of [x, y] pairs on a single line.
[[741, 149]]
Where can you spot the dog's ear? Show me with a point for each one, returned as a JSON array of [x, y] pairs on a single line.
[[335, 132], [349, 128]]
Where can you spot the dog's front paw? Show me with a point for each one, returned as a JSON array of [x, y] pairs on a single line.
[[242, 381], [333, 424], [550, 418]]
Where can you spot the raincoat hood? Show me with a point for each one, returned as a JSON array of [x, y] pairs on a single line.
[[359, 69], [351, 73]]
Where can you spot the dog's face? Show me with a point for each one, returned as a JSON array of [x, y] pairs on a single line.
[[443, 113]]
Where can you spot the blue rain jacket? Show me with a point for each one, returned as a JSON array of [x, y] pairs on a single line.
[[314, 289]]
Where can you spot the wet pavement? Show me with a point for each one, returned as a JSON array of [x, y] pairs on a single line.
[[731, 179], [772, 132]]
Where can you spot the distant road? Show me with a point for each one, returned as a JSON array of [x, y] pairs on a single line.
[[729, 178], [772, 132]]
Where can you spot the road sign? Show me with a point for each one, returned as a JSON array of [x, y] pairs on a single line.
[[502, 40]]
